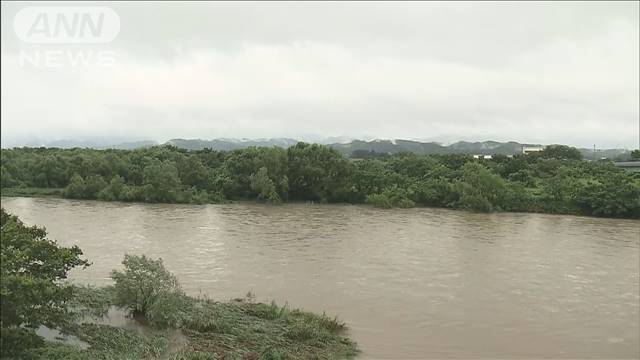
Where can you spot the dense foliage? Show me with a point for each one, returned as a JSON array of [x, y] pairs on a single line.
[[145, 288], [31, 291], [554, 180]]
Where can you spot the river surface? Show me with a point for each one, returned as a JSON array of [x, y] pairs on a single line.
[[410, 283]]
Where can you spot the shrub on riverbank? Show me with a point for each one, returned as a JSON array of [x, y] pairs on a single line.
[[390, 198], [145, 288], [239, 329]]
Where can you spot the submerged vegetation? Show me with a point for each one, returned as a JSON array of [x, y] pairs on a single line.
[[171, 325], [554, 180]]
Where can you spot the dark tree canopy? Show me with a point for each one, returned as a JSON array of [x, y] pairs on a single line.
[[31, 272], [561, 152], [554, 180]]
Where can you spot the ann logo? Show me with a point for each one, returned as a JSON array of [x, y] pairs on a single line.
[[66, 25], [77, 26]]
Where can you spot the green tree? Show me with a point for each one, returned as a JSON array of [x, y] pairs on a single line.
[[552, 180], [6, 179], [161, 181], [560, 152], [94, 185], [114, 191], [412, 165], [31, 274], [392, 197], [481, 190], [76, 188], [240, 165], [561, 186], [192, 172], [319, 173], [146, 288], [614, 195], [435, 192], [262, 185]]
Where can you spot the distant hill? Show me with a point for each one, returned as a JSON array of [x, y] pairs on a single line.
[[99, 144], [343, 145], [392, 147], [133, 145], [229, 144], [347, 148], [488, 147], [424, 148]]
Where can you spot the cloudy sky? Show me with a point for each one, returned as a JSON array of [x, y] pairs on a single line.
[[530, 72]]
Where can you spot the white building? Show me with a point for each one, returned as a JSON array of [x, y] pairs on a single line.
[[531, 149]]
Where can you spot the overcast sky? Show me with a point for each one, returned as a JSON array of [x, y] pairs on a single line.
[[530, 72]]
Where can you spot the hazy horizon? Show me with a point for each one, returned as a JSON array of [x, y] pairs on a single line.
[[102, 142], [532, 72]]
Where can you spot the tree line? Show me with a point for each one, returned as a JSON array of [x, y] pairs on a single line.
[[555, 180]]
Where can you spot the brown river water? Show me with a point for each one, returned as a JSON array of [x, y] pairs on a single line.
[[410, 283]]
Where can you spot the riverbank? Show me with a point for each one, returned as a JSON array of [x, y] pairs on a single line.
[[238, 329], [32, 192]]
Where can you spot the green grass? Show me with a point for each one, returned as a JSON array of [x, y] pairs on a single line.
[[106, 343], [239, 329], [32, 192], [243, 328]]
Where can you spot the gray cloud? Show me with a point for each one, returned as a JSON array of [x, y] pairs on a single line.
[[530, 71]]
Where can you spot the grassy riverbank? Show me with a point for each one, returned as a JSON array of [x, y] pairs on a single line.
[[238, 329], [32, 192]]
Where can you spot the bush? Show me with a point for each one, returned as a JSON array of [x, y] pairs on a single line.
[[76, 188], [517, 198], [615, 195], [390, 198], [473, 199], [481, 190], [94, 185], [132, 193], [435, 192], [169, 310], [264, 187], [200, 197], [114, 191], [16, 340], [147, 289]]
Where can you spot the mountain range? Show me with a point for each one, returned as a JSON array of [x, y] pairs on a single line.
[[346, 147], [394, 147]]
